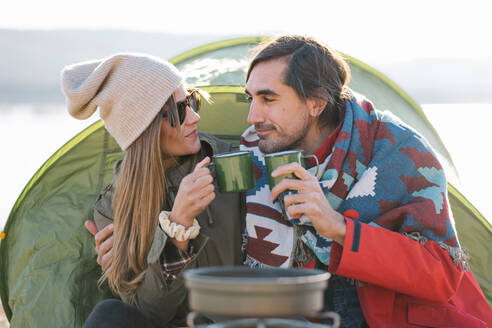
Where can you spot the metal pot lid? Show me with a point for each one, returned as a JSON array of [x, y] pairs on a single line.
[[244, 292], [255, 276]]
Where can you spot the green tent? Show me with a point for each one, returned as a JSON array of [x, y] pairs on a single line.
[[47, 258]]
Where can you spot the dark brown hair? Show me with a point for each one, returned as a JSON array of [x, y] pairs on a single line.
[[314, 71]]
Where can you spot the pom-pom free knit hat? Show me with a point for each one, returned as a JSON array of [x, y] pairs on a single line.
[[129, 90]]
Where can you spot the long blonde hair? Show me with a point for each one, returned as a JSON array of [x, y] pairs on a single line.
[[140, 192]]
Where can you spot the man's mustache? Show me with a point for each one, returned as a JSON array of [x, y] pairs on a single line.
[[264, 126]]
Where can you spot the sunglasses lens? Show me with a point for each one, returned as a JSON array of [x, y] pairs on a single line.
[[192, 100], [195, 100], [182, 111]]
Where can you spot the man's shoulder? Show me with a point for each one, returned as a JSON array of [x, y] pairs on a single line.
[[380, 114], [388, 125], [399, 129]]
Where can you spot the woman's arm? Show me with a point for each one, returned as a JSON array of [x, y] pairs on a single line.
[[163, 301]]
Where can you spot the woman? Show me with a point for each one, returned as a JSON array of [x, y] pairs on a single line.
[[146, 108]]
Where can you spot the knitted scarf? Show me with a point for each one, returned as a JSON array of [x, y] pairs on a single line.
[[378, 167]]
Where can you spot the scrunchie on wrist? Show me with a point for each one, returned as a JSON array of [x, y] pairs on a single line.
[[177, 231]]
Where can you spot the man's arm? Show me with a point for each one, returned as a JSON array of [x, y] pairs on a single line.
[[405, 266], [103, 240], [370, 254]]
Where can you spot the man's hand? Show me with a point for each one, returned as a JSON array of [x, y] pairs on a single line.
[[309, 201], [104, 242]]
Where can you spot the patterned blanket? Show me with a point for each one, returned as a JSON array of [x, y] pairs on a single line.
[[379, 167]]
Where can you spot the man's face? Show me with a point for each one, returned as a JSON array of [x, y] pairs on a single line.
[[281, 118]]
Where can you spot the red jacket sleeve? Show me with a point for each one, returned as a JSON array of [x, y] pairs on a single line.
[[396, 262]]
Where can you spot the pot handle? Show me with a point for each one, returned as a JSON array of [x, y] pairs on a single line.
[[335, 317], [190, 319]]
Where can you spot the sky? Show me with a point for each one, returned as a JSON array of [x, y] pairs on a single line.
[[368, 30]]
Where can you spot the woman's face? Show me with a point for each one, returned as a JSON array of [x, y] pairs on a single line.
[[185, 141]]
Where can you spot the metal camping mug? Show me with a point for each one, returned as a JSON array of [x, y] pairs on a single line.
[[274, 160], [234, 171]]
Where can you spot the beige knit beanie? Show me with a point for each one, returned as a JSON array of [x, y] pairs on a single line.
[[129, 90]]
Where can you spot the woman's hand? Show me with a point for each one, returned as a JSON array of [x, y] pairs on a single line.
[[195, 192], [104, 242]]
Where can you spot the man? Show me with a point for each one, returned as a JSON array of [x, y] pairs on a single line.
[[377, 215]]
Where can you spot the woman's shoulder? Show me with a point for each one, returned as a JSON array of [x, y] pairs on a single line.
[[103, 209], [103, 206], [216, 145]]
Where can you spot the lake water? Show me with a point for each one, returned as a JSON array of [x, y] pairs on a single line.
[[30, 134]]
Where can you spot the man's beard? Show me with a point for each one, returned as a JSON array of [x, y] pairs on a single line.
[[285, 141]]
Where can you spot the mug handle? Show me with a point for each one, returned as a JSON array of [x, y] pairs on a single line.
[[213, 173], [211, 167], [317, 162]]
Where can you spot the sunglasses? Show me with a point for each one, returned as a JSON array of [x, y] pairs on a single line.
[[193, 100]]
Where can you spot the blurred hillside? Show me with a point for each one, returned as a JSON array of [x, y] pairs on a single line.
[[31, 61]]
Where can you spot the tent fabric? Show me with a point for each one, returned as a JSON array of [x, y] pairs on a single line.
[[49, 277], [47, 260]]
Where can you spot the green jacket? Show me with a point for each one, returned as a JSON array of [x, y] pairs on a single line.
[[219, 242]]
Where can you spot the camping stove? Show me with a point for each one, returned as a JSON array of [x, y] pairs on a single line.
[[258, 297]]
